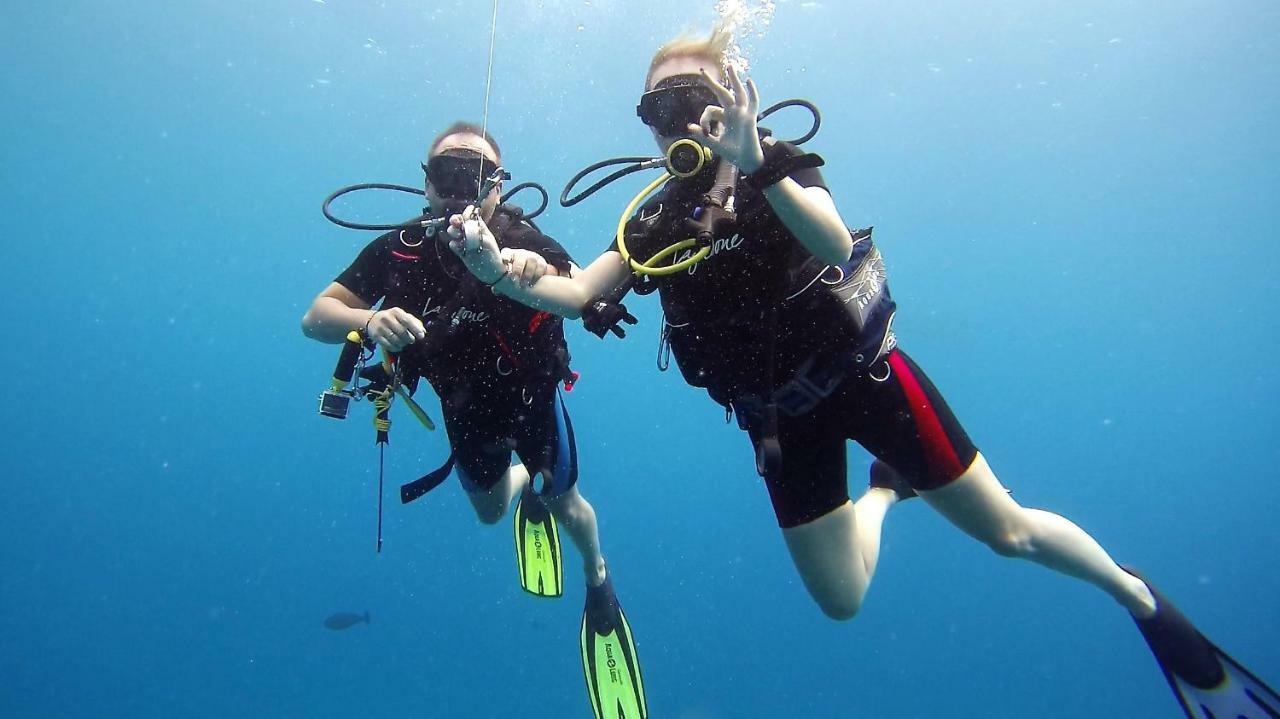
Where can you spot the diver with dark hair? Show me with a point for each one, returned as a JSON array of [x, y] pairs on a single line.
[[496, 366], [784, 316]]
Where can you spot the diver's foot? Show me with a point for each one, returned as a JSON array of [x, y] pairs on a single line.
[[884, 477], [596, 573], [1143, 605]]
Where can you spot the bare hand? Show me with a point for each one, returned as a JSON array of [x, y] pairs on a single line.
[[474, 243], [394, 329], [730, 129], [526, 266]]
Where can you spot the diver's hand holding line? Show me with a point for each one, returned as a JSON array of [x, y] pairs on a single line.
[[474, 243], [394, 329], [567, 296], [730, 130]]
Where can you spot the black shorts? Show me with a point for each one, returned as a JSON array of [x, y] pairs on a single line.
[[901, 419], [483, 434]]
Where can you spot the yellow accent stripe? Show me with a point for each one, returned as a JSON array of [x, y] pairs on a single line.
[[635, 658], [586, 668], [519, 541]]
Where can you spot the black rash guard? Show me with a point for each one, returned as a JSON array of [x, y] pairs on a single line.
[[476, 341], [494, 363]]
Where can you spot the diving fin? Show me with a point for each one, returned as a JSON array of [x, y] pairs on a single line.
[[609, 658], [538, 547], [1208, 683], [886, 477]]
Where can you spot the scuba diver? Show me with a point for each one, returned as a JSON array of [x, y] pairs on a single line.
[[784, 316], [496, 366]]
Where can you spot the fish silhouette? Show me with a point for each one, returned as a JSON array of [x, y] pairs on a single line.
[[345, 620]]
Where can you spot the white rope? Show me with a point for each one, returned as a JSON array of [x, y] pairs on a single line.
[[488, 83]]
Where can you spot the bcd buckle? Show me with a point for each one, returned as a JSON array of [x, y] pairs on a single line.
[[807, 389]]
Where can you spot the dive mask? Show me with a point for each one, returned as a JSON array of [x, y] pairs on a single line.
[[675, 103], [461, 177]]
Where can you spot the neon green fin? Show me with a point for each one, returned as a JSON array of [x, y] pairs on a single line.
[[538, 548], [609, 658]]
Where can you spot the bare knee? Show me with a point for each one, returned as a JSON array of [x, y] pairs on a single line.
[[490, 514], [570, 508], [1015, 543], [565, 512], [841, 608], [489, 507], [488, 496]]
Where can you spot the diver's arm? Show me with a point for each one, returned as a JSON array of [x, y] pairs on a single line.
[[334, 313], [730, 131], [338, 310], [526, 267], [811, 216], [568, 296], [565, 296]]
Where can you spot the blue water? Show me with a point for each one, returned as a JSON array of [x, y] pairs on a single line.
[[1078, 206]]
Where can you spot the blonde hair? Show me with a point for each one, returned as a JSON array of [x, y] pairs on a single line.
[[714, 46]]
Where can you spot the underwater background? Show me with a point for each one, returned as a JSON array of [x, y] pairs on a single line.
[[1078, 205]]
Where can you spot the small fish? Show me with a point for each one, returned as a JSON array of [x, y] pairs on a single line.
[[345, 620]]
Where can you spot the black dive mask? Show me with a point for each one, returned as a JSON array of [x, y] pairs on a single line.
[[675, 103], [459, 178]]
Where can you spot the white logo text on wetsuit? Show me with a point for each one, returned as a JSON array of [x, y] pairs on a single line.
[[462, 314], [722, 244]]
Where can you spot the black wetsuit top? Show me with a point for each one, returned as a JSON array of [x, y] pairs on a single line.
[[478, 343], [720, 309]]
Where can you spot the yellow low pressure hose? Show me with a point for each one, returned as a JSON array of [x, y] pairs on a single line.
[[648, 266]]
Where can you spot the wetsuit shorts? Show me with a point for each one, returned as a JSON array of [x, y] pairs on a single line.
[[484, 434], [901, 419]]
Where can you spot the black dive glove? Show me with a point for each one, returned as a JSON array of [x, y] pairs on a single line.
[[602, 317]]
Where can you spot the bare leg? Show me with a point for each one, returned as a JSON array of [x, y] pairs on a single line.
[[575, 515], [578, 519], [979, 505], [836, 554], [491, 505]]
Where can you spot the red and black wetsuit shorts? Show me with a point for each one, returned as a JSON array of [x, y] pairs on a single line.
[[894, 412]]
